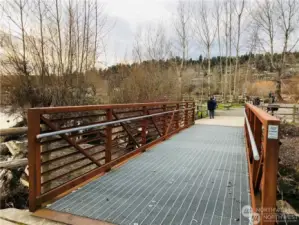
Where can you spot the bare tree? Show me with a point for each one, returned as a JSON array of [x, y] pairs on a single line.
[[97, 13], [151, 43], [218, 9], [137, 46], [19, 59], [230, 47], [56, 44], [182, 26], [57, 20], [157, 43], [205, 31], [265, 17], [253, 45], [71, 34], [288, 18], [226, 25], [41, 17], [239, 13]]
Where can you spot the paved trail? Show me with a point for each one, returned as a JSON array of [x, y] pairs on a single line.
[[232, 117]]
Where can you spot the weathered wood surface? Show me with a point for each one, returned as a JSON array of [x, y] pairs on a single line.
[[15, 163]]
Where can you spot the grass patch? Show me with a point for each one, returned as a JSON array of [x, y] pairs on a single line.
[[202, 114], [233, 105]]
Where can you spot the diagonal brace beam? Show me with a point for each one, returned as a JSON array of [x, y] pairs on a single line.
[[70, 141], [126, 129], [155, 125], [170, 123]]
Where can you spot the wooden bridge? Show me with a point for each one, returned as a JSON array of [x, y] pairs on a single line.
[[151, 164]]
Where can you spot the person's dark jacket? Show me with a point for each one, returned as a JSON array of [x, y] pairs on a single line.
[[212, 104]]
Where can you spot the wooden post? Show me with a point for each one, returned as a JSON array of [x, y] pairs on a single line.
[[186, 115], [270, 167], [164, 120], [193, 113], [34, 158], [144, 127], [108, 147], [294, 113]]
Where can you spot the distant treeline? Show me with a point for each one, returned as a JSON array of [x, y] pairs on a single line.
[[260, 61]]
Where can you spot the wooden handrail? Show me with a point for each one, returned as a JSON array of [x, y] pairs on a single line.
[[263, 173]]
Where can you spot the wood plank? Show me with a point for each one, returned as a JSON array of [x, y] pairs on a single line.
[[14, 163]]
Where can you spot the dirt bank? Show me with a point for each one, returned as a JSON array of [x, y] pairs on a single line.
[[288, 176]]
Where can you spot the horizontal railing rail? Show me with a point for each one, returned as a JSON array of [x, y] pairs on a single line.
[[50, 134], [78, 143], [255, 152], [262, 141]]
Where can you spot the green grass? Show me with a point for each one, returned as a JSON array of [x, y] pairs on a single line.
[[202, 114], [233, 105]]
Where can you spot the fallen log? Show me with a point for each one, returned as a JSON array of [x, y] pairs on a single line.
[[17, 130], [13, 131], [24, 179], [17, 147], [13, 163]]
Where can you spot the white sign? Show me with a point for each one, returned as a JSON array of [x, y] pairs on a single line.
[[273, 132]]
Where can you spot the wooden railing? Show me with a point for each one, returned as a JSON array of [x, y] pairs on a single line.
[[284, 112], [81, 142], [263, 164]]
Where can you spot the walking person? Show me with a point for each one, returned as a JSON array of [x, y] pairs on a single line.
[[211, 107]]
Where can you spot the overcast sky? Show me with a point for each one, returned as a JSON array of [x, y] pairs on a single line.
[[127, 16], [130, 15]]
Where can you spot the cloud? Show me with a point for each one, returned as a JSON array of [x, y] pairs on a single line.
[[128, 17]]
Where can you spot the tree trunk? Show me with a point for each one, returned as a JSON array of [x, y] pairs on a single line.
[[209, 71]]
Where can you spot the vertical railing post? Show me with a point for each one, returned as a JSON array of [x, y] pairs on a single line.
[[144, 126], [193, 113], [177, 124], [164, 120], [34, 158], [186, 115], [251, 120], [270, 167], [108, 147]]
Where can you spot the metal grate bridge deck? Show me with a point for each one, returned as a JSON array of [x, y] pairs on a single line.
[[198, 176]]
